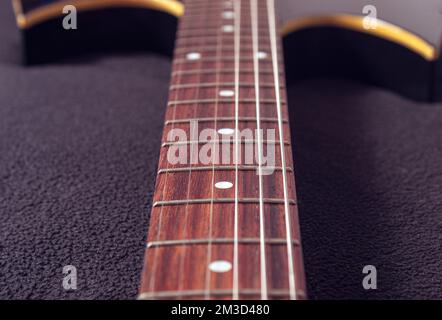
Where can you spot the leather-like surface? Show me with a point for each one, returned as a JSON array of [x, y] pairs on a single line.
[[78, 156], [369, 174], [79, 142]]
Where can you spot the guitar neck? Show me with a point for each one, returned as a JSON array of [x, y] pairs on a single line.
[[224, 222]]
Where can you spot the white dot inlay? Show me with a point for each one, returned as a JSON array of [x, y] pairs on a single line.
[[220, 266], [228, 28], [228, 14], [226, 131], [226, 93], [223, 185], [261, 55], [193, 56]]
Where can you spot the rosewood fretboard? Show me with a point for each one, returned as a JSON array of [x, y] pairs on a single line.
[[225, 229]]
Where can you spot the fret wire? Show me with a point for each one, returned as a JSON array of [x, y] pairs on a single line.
[[272, 31], [245, 141], [197, 17], [222, 84], [228, 37], [181, 242], [195, 5], [209, 36], [221, 168], [217, 292], [188, 33], [210, 71], [210, 48], [225, 58], [209, 59], [189, 28], [212, 16], [193, 43], [220, 200], [224, 119], [205, 101]]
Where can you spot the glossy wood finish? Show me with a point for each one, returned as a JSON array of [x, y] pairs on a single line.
[[192, 222]]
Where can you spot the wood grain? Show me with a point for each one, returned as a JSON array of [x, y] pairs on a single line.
[[174, 267]]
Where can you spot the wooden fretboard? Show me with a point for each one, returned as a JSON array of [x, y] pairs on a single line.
[[225, 229]]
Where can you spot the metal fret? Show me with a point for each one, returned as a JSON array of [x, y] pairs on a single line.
[[195, 7], [169, 243], [187, 26], [206, 101], [222, 71], [220, 200], [211, 36], [212, 48], [195, 42], [222, 119], [214, 292], [214, 16], [245, 141], [213, 59], [227, 4], [206, 48], [189, 32], [218, 168], [222, 84]]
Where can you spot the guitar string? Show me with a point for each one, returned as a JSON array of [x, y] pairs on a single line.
[[254, 23], [186, 210], [214, 154], [272, 31], [237, 26]]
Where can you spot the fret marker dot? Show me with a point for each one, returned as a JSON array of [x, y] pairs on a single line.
[[261, 55], [226, 131], [223, 185], [220, 266], [228, 14], [226, 93], [193, 56], [228, 28]]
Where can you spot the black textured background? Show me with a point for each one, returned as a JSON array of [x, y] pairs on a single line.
[[78, 152]]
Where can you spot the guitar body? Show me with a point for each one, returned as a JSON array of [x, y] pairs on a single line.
[[333, 160], [336, 39], [112, 26]]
